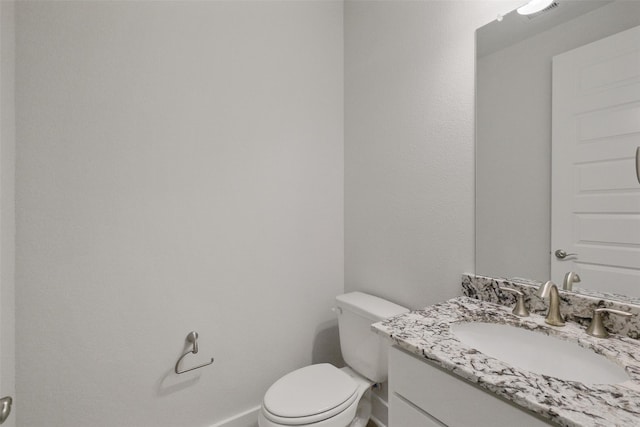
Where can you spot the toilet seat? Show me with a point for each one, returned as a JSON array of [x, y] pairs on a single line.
[[310, 395]]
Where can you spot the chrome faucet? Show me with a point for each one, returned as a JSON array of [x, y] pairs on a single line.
[[520, 308], [596, 328], [569, 279], [550, 290]]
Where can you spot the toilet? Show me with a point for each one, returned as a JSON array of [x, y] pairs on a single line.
[[323, 395]]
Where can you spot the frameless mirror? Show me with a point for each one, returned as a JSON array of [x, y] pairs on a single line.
[[539, 91]]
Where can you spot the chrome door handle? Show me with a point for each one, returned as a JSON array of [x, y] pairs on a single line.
[[6, 408], [562, 254]]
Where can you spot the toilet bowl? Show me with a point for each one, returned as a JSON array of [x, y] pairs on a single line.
[[323, 395], [319, 396]]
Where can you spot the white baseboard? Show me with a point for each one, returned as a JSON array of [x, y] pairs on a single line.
[[248, 418], [377, 422]]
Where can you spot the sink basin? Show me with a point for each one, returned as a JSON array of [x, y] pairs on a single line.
[[539, 353]]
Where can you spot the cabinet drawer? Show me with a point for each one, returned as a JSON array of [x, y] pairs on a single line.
[[403, 414], [450, 399]]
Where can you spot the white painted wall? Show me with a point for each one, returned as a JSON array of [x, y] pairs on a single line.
[[179, 167], [409, 146], [514, 148], [7, 205]]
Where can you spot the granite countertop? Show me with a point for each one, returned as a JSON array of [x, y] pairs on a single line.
[[427, 334]]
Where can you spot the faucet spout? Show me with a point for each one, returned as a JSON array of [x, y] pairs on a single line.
[[550, 290], [569, 279]]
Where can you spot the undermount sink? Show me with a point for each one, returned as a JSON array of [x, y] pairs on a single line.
[[539, 353]]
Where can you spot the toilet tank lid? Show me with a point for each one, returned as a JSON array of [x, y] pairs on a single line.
[[369, 306]]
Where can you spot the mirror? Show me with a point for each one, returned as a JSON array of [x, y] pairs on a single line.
[[514, 142]]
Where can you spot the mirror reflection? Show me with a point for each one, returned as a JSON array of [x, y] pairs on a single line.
[[561, 84]]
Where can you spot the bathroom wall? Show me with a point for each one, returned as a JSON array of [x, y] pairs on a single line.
[[409, 145], [7, 205], [179, 167]]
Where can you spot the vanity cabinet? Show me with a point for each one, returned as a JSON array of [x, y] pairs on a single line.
[[424, 395]]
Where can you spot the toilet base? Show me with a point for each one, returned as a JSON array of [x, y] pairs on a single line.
[[363, 411]]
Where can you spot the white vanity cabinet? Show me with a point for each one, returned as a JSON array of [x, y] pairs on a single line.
[[423, 395]]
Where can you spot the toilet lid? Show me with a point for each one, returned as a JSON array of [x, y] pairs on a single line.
[[309, 391]]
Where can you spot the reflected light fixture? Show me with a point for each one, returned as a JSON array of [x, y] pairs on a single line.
[[534, 6]]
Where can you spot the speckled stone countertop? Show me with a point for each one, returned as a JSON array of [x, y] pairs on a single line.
[[427, 334]]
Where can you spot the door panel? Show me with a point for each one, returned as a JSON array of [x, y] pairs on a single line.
[[595, 192]]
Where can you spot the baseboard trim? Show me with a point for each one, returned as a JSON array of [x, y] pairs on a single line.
[[248, 418], [377, 422]]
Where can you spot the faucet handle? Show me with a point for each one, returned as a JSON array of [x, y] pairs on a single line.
[[520, 308], [596, 328]]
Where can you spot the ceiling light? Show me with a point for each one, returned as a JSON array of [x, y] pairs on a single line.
[[534, 6]]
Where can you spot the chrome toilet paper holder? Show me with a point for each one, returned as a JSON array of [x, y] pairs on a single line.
[[192, 337]]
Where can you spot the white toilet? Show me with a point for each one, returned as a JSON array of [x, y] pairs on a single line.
[[325, 396]]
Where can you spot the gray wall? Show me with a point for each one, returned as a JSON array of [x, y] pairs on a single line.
[[7, 203], [179, 167], [513, 227], [409, 146]]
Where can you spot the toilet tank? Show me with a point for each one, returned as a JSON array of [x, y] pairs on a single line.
[[362, 349]]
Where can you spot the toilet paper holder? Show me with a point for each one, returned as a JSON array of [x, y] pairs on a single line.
[[192, 337]]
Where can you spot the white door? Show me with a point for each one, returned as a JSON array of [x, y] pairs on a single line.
[[595, 189]]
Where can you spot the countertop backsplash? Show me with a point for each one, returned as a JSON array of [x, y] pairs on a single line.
[[576, 306]]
